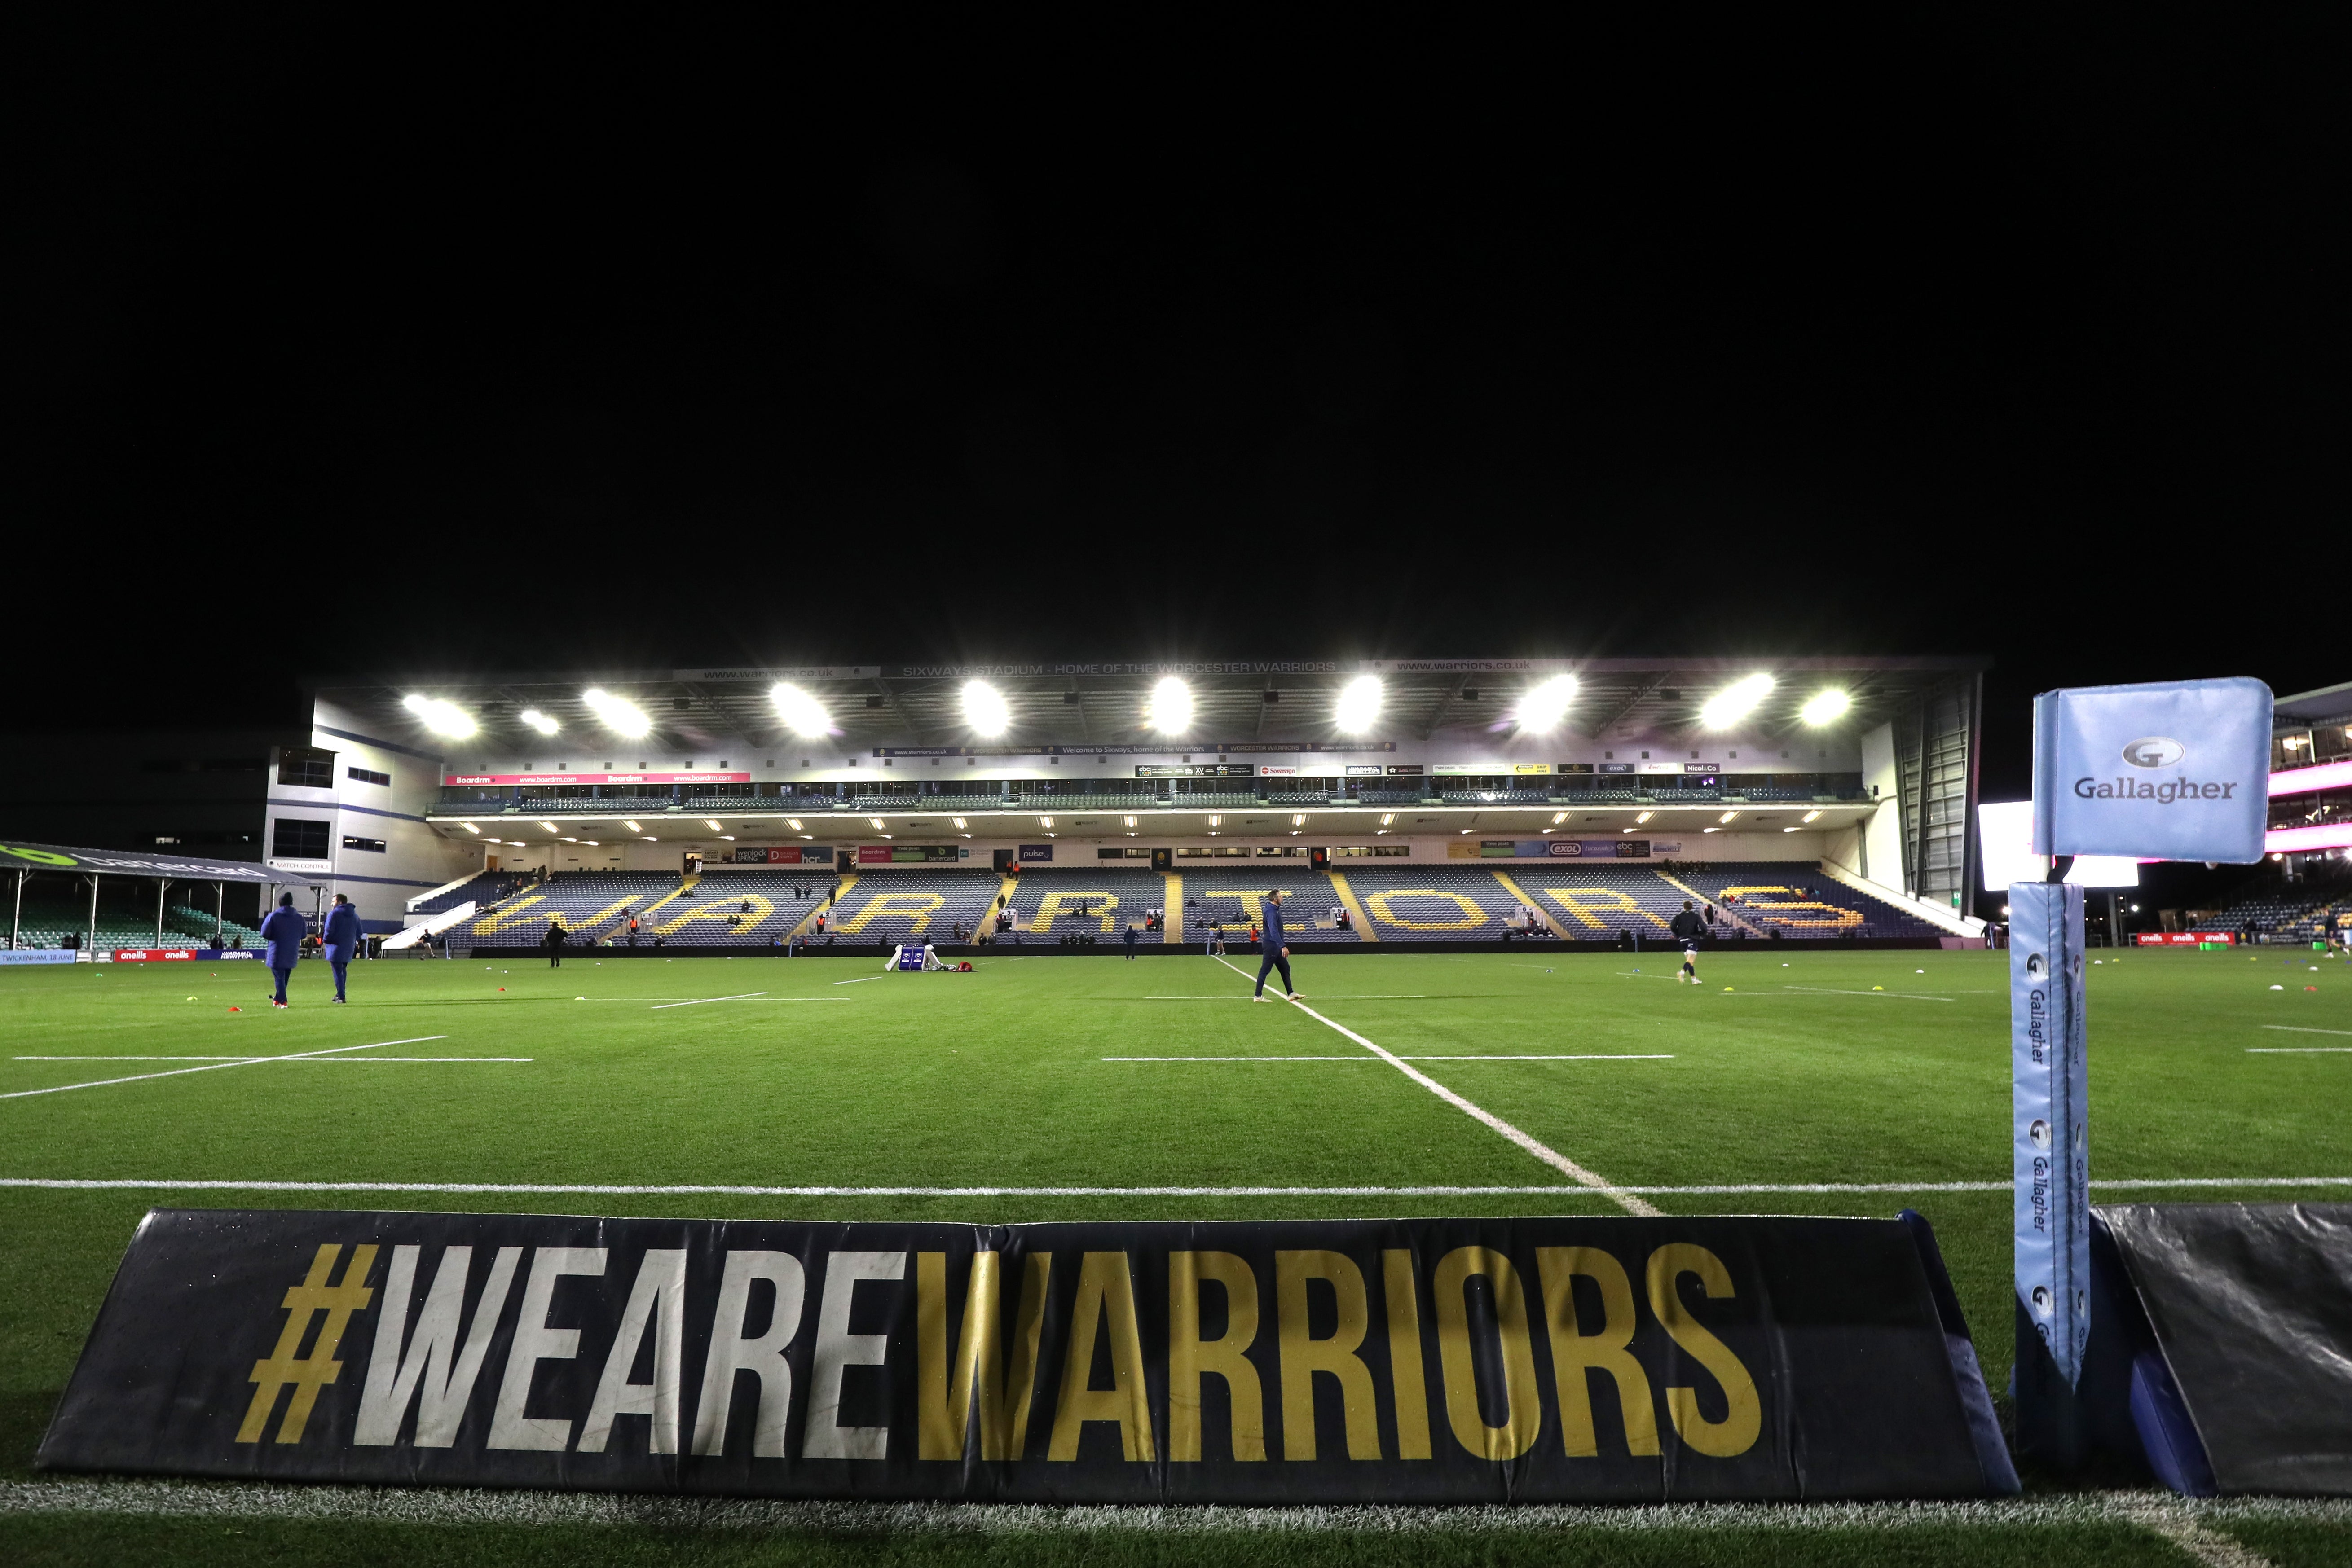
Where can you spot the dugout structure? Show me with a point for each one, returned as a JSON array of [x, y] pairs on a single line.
[[93, 866]]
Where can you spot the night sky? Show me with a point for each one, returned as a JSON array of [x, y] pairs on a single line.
[[1208, 334]]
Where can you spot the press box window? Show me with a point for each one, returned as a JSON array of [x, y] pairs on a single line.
[[373, 846], [367, 776], [294, 839], [302, 766]]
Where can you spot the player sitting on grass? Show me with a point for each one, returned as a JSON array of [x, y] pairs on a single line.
[[1689, 926], [1277, 957]]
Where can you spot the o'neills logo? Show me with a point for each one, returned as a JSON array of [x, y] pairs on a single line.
[[2155, 751]]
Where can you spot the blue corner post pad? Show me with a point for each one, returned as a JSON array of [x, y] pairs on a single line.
[[2168, 770], [2049, 1140]]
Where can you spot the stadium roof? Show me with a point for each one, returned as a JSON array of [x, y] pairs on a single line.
[[1079, 703], [127, 863]]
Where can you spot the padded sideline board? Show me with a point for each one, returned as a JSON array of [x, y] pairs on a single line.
[[2251, 1306], [1457, 1360]]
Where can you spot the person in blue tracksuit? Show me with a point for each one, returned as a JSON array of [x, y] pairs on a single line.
[[1277, 956], [282, 935], [341, 938], [1131, 938]]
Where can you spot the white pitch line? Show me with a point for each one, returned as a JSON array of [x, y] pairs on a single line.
[[698, 1001], [2298, 1029], [215, 1067], [1646, 1057], [2298, 1050], [1891, 996], [1540, 1150], [307, 1060], [1554, 1189], [861, 979], [1369, 996]]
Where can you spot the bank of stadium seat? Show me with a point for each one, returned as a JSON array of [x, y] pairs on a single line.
[[894, 904], [1235, 892], [1464, 903], [1798, 898], [1111, 898]]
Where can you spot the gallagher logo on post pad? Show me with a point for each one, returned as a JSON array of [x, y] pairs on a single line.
[[2172, 770]]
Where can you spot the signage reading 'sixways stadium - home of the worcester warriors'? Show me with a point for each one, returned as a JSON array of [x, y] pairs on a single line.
[[1397, 1360]]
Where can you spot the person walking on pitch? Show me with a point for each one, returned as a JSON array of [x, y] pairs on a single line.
[[342, 940], [1688, 929], [282, 935], [555, 940], [1277, 956]]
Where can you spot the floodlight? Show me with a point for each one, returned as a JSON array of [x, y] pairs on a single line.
[[1299, 820], [619, 714], [1792, 829], [634, 828], [1044, 822], [592, 844], [1557, 818], [441, 718], [1710, 829], [794, 821], [984, 708], [1359, 705], [1543, 706], [711, 825], [801, 714], [1387, 818], [1727, 817], [568, 840], [539, 721], [959, 821], [550, 827], [1170, 709], [1812, 814], [1644, 817], [1735, 701], [1825, 707], [877, 821], [1131, 823], [729, 838], [1216, 821], [471, 829]]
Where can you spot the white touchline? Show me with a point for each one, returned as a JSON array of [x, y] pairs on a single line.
[[2298, 1050], [217, 1066], [698, 1001], [305, 1061], [861, 979], [1540, 1150], [2299, 1028], [1369, 996], [1553, 1189], [1650, 1056], [1891, 996]]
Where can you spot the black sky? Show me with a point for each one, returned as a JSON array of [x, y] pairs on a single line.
[[443, 344]]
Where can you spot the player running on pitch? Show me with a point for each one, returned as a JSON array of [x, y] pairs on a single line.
[[1277, 957], [1688, 927]]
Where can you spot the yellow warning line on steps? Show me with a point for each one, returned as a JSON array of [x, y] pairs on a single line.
[[1539, 911], [1364, 932], [821, 905]]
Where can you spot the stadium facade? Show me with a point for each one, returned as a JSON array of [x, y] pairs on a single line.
[[407, 787]]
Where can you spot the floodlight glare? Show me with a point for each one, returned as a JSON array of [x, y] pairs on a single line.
[[877, 821], [801, 714], [1044, 822], [441, 718], [1735, 701], [622, 716], [1812, 815], [634, 828], [984, 708], [550, 827], [1359, 705], [539, 721], [794, 822], [711, 825], [1170, 709], [473, 829], [959, 822], [1825, 707], [1644, 817], [1543, 706]]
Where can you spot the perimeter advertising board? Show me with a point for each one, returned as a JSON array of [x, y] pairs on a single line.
[[1398, 1361]]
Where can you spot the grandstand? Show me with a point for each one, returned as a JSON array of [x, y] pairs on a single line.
[[1048, 905], [1798, 901], [914, 904], [1236, 895]]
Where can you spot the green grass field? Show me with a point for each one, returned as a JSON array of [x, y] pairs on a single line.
[[1805, 1083]]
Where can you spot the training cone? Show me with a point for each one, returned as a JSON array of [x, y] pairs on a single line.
[[1878, 988], [1727, 987], [2278, 987], [579, 998], [236, 1009]]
